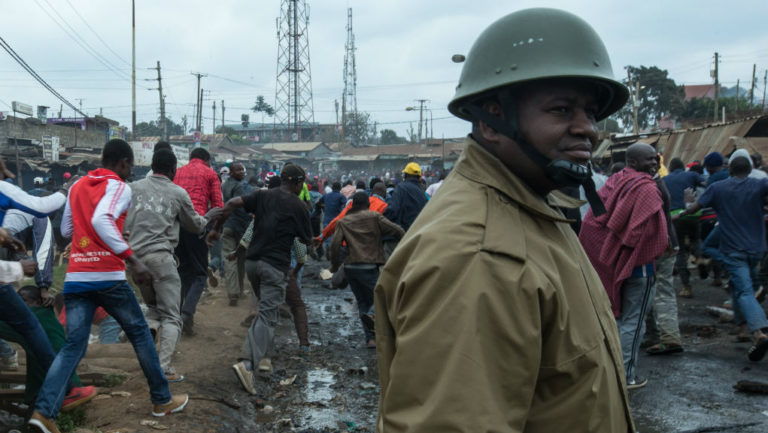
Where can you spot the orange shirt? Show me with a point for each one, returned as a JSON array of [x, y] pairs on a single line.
[[376, 205]]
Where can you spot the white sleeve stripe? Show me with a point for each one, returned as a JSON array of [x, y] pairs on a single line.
[[116, 198]]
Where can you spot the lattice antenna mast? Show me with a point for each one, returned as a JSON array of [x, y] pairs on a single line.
[[349, 98], [294, 108]]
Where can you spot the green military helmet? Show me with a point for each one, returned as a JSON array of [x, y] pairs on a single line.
[[535, 44]]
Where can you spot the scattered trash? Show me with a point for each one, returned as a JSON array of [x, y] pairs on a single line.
[[120, 394], [326, 274], [287, 422], [765, 412], [102, 397], [362, 371], [724, 314], [368, 385], [154, 424], [289, 381], [268, 409]]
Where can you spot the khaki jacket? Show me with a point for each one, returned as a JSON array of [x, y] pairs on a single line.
[[490, 317]]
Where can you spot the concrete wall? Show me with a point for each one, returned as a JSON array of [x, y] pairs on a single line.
[[69, 137]]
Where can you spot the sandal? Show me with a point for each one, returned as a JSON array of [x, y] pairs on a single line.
[[664, 349]]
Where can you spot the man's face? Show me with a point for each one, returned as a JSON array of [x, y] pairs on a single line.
[[646, 162], [558, 119], [237, 172], [123, 168]]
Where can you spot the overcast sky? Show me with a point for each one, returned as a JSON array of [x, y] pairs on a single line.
[[404, 50]]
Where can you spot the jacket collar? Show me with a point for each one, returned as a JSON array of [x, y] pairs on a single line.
[[479, 165], [104, 173]]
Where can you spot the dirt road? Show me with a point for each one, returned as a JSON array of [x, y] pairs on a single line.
[[334, 388]]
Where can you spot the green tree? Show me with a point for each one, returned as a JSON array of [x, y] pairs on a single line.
[[389, 136], [154, 128], [609, 124], [263, 108], [703, 109], [658, 96], [358, 127]]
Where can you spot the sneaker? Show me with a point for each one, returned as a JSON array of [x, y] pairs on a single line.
[[174, 377], [177, 404], [371, 344], [638, 382], [188, 328], [703, 266], [245, 376], [42, 424], [758, 350], [78, 396], [212, 280], [686, 292], [304, 348], [10, 363], [265, 365], [233, 302]]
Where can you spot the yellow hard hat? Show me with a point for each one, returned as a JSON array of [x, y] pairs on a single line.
[[413, 169]]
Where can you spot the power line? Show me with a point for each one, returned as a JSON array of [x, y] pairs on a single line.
[[32, 72], [79, 39], [74, 9]]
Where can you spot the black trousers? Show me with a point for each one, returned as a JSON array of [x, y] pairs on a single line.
[[192, 252]]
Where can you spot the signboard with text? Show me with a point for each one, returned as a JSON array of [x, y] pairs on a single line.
[[50, 148], [22, 108]]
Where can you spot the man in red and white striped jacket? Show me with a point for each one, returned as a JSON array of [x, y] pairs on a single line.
[[93, 217]]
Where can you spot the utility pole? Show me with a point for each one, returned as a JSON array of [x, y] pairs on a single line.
[[737, 94], [717, 87], [765, 81], [200, 112], [198, 98], [336, 104], [222, 114], [213, 130], [421, 115], [752, 89], [133, 68], [163, 121]]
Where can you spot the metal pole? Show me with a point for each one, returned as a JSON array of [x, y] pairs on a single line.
[[717, 87], [133, 68]]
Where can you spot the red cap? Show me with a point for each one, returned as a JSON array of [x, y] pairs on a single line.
[[66, 176]]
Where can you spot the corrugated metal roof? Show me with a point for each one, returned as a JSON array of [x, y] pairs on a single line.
[[358, 158], [694, 144], [306, 146]]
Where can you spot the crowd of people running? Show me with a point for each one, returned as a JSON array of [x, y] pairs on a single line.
[[510, 295]]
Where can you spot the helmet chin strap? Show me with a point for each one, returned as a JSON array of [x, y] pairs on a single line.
[[560, 171]]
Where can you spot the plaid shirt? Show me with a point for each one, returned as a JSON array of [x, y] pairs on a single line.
[[202, 185], [633, 231]]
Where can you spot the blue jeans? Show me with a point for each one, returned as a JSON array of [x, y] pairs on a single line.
[[711, 246], [120, 302], [636, 299], [15, 313], [362, 281], [742, 268]]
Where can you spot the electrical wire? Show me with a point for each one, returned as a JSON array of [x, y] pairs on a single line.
[[79, 39], [74, 9], [37, 77]]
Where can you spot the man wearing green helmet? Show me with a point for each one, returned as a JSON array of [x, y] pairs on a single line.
[[489, 315]]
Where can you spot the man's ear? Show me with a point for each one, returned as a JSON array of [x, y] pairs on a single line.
[[487, 133]]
